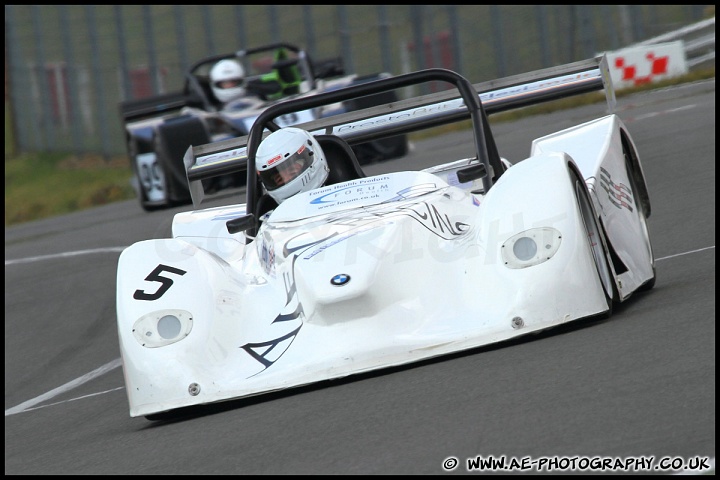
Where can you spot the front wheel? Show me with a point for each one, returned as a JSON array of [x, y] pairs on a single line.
[[598, 244], [151, 179], [642, 220], [148, 179]]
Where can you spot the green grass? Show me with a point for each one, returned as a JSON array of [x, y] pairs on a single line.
[[43, 185], [48, 184]]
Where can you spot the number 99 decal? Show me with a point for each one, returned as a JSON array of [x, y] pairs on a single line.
[[165, 282]]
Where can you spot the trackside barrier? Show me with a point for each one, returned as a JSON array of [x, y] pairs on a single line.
[[698, 41], [665, 56]]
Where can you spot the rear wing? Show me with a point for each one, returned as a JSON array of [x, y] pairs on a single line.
[[230, 156], [132, 110]]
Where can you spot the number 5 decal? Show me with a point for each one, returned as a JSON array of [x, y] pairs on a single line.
[[156, 277]]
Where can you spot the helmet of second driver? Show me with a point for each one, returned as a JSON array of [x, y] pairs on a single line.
[[227, 80]]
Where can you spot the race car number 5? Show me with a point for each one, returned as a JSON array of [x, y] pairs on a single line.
[[165, 282]]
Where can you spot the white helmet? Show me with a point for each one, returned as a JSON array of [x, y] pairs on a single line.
[[290, 161], [226, 80]]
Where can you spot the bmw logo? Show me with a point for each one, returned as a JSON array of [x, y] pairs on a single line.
[[340, 279]]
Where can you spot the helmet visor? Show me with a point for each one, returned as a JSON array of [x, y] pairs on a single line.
[[286, 170], [228, 83]]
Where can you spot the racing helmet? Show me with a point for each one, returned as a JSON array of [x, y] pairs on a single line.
[[290, 161], [227, 79]]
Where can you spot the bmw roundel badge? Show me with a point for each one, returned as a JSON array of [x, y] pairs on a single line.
[[340, 279]]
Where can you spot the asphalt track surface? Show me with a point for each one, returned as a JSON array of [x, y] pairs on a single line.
[[638, 385]]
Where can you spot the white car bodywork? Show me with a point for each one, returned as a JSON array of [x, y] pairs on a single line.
[[377, 272]]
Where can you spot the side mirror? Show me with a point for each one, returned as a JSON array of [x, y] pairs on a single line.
[[241, 224], [471, 173]]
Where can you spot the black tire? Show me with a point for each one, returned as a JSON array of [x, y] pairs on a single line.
[[378, 150], [143, 196], [172, 139], [162, 416], [642, 218], [137, 146], [598, 244]]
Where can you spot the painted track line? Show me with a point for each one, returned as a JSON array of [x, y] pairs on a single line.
[[63, 255], [65, 388]]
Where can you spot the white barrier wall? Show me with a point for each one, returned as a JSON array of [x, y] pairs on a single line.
[[639, 65]]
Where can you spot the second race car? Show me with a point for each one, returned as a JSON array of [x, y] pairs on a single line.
[[159, 130]]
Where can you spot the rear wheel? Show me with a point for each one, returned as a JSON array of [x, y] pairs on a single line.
[[172, 140], [379, 150], [598, 244]]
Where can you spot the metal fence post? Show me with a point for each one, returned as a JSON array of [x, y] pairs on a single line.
[[498, 41], [70, 68], [274, 23], [47, 136], [542, 21], [180, 35], [125, 84], [100, 110], [344, 31], [151, 50], [309, 29], [240, 24], [385, 46], [208, 29], [417, 12], [455, 32]]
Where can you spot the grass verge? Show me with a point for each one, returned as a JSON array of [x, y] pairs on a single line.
[[48, 184]]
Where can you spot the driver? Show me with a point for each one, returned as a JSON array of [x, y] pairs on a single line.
[[227, 80], [290, 161]]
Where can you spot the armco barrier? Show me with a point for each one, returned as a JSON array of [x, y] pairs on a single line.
[[698, 42]]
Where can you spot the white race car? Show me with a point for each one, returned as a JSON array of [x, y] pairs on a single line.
[[369, 272]]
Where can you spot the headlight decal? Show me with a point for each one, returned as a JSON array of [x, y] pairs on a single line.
[[531, 247], [163, 327]]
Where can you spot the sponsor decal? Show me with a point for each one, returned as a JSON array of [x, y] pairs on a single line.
[[335, 240], [425, 213], [540, 86], [618, 193], [274, 159], [234, 154], [340, 279], [350, 192], [267, 256], [437, 222], [269, 351]]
